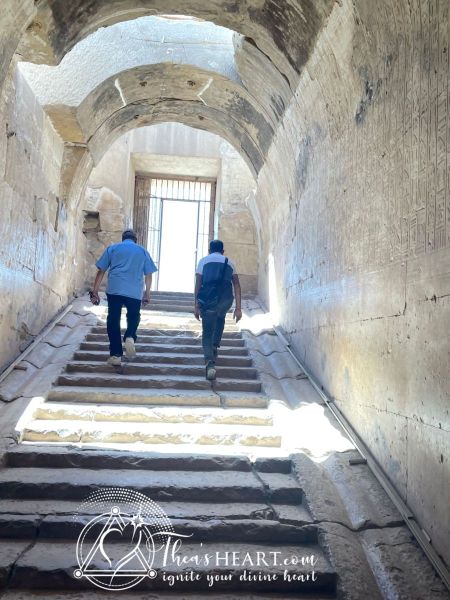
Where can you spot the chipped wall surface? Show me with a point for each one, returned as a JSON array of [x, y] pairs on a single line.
[[355, 201], [172, 149], [38, 238]]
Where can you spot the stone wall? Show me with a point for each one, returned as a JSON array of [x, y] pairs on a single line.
[[39, 239], [356, 239], [106, 207]]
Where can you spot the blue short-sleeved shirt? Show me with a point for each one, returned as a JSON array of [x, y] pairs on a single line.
[[127, 263]]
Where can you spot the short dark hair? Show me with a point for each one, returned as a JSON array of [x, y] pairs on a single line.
[[215, 246], [129, 234]]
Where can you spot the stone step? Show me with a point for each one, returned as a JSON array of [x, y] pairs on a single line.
[[50, 456], [36, 509], [132, 368], [186, 349], [165, 414], [154, 434], [175, 340], [175, 397], [175, 298], [162, 293], [165, 307], [166, 358], [107, 432], [157, 381], [51, 565], [188, 303], [142, 331], [175, 486], [260, 530]]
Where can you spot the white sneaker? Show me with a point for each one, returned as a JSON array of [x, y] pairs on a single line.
[[115, 361], [130, 348]]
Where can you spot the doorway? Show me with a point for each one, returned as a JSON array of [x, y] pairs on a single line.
[[174, 220]]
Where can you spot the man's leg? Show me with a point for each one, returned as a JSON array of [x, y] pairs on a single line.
[[220, 324], [209, 318], [113, 324], [133, 318]]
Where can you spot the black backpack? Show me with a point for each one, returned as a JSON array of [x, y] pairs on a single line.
[[210, 295]]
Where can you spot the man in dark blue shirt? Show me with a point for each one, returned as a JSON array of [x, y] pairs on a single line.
[[214, 282], [128, 264]]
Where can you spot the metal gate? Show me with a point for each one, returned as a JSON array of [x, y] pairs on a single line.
[[174, 220]]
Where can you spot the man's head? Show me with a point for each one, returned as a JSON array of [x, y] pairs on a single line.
[[129, 234], [216, 246]]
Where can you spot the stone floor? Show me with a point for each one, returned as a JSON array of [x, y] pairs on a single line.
[[251, 463]]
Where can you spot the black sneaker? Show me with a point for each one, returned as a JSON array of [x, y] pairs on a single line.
[[210, 371]]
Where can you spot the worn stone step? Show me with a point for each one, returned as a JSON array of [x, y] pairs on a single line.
[[132, 368], [178, 486], [161, 293], [157, 297], [186, 304], [51, 565], [50, 456], [167, 358], [107, 432], [175, 340], [116, 395], [29, 513], [156, 381], [172, 307], [215, 528], [185, 348], [171, 332], [142, 414]]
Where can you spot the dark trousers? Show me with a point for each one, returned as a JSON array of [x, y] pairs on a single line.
[[115, 304], [213, 323]]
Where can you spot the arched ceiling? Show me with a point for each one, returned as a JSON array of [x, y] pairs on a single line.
[[272, 43], [282, 30], [197, 94]]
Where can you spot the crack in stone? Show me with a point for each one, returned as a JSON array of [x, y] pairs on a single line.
[[24, 551], [270, 353], [365, 527], [298, 377], [266, 490]]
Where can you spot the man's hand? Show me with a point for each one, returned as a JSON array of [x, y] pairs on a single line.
[[237, 314], [94, 298], [197, 312], [145, 298]]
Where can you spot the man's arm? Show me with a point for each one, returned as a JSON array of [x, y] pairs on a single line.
[[95, 298], [198, 285], [237, 294], [148, 287]]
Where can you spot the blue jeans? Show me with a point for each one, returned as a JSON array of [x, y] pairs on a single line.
[[115, 304], [213, 323]]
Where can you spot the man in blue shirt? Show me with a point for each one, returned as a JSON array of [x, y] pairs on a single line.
[[128, 264]]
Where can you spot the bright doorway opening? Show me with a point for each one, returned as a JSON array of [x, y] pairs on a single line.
[[174, 220]]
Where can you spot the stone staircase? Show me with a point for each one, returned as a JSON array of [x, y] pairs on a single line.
[[213, 456], [160, 397]]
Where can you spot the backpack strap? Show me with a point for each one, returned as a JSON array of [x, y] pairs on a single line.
[[222, 275]]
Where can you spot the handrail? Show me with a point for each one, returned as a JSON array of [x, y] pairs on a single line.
[[35, 342]]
